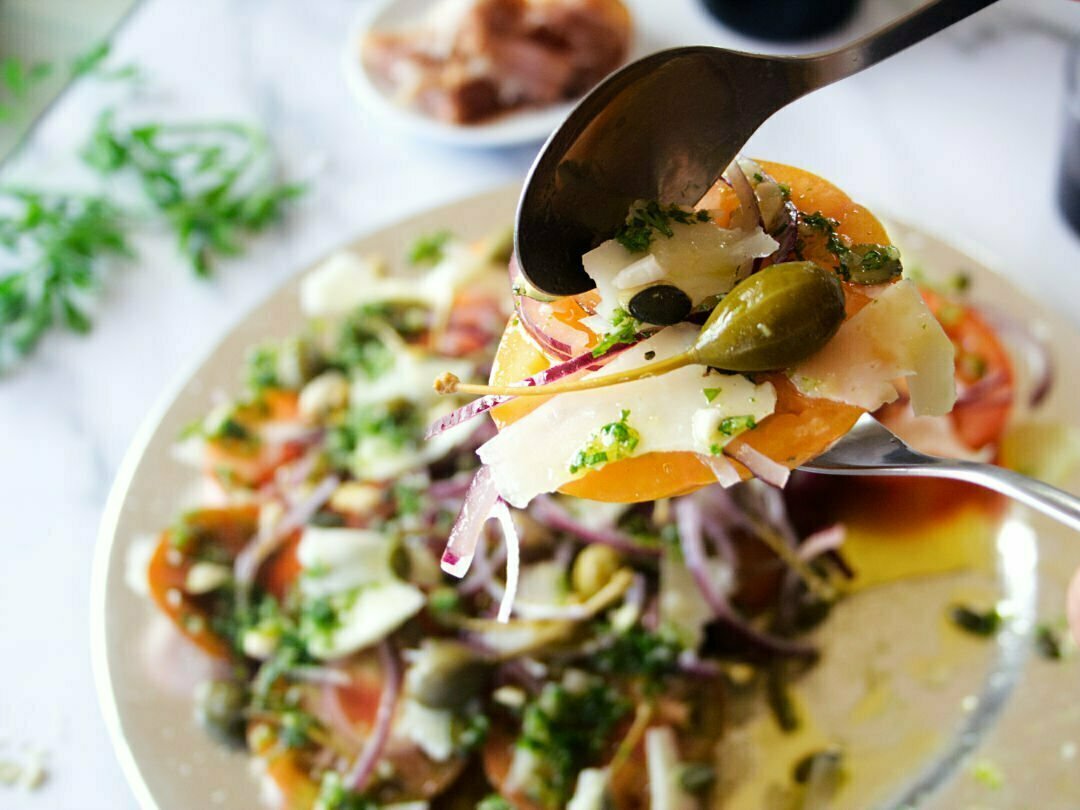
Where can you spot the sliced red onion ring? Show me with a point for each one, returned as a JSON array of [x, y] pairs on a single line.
[[691, 540], [990, 387], [513, 557], [448, 488], [748, 215], [580, 363], [724, 470], [465, 535], [769, 471], [263, 544], [822, 542], [1035, 350], [335, 715], [545, 510], [360, 773], [539, 324]]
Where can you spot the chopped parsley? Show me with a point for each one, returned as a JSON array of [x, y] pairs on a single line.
[[977, 623], [333, 795], [494, 802], [430, 248], [863, 263], [734, 425], [394, 425], [642, 654], [614, 441], [711, 393], [17, 78], [646, 219], [625, 330], [567, 730]]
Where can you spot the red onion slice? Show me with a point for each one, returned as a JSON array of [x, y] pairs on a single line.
[[691, 540], [769, 471], [553, 336], [580, 363], [724, 470], [545, 510], [360, 773], [513, 557], [822, 542], [1033, 348], [465, 535], [748, 215], [263, 544]]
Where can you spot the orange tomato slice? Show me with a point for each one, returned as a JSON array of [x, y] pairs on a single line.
[[800, 428]]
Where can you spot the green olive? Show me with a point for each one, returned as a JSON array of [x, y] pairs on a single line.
[[661, 304], [773, 319], [874, 264], [593, 568], [446, 674], [220, 706]]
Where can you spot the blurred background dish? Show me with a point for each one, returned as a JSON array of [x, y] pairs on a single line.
[[483, 72]]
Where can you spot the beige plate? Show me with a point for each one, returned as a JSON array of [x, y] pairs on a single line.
[[918, 706]]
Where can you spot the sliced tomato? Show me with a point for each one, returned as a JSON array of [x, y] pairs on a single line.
[[225, 530]]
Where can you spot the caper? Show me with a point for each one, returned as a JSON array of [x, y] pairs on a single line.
[[446, 674], [219, 708], [593, 568], [873, 264], [773, 319], [661, 304]]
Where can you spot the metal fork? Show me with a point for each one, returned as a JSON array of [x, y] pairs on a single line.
[[870, 448]]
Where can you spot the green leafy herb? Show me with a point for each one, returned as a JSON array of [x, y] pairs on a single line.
[[614, 441], [625, 328], [567, 729], [17, 78], [642, 654], [734, 425], [863, 263], [395, 425], [92, 62], [333, 795], [429, 249], [494, 802], [209, 180], [646, 219], [977, 623], [710, 393], [59, 246]]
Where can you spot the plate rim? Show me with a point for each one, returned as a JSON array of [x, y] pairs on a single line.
[[106, 537]]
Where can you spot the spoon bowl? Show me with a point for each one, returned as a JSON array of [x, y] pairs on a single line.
[[665, 128]]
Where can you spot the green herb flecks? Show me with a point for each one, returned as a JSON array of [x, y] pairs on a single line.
[[56, 249], [17, 79], [734, 425], [640, 653], [429, 249], [494, 802], [333, 795], [612, 442], [861, 263], [983, 623], [625, 329], [211, 181], [393, 426], [646, 219], [567, 729]]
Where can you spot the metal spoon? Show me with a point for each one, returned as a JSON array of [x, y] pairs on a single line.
[[870, 448], [665, 127]]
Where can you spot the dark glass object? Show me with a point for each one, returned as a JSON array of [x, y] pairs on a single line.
[[1069, 182], [783, 19]]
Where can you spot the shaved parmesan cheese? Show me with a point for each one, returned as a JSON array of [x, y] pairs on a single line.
[[662, 412], [700, 259], [348, 280], [893, 336], [351, 569]]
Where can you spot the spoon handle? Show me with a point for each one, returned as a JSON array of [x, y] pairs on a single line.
[[921, 23], [1042, 497]]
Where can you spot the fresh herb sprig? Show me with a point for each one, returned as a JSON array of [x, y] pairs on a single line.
[[57, 248], [17, 78], [211, 181], [647, 219]]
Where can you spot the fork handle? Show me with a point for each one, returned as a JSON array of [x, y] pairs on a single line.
[[921, 23], [1039, 495]]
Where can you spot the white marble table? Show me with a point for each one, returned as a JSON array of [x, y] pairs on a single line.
[[960, 135]]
